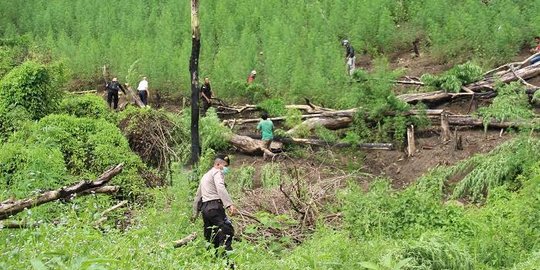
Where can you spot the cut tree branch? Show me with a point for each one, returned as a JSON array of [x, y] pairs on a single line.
[[13, 207]]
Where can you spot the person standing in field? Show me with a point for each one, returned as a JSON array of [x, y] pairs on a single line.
[[206, 95], [251, 76], [267, 131], [350, 57], [211, 200], [143, 91], [112, 93]]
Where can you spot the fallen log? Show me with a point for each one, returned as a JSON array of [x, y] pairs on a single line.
[[7, 224], [248, 145], [317, 142], [327, 122], [309, 108], [186, 240], [468, 120], [13, 207], [505, 77]]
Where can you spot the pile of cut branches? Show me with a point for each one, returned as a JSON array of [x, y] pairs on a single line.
[[155, 136]]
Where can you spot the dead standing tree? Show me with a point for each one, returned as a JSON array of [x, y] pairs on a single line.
[[194, 73]]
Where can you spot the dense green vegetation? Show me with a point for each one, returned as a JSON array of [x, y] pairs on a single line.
[[294, 45], [481, 213]]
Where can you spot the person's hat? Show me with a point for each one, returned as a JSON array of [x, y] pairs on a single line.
[[254, 72], [224, 158], [345, 42]]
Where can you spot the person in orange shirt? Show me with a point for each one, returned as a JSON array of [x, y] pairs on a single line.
[[251, 76]]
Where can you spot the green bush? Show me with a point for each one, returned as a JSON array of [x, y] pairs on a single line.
[[12, 120], [510, 104], [28, 168], [32, 86], [88, 105], [89, 147], [274, 107], [453, 79]]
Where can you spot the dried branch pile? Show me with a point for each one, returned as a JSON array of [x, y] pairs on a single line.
[[153, 136]]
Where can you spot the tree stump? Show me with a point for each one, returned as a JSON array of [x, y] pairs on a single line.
[[411, 147]]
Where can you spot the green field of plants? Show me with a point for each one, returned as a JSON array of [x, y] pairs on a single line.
[[480, 212]]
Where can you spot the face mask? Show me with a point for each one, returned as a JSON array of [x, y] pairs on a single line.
[[225, 170]]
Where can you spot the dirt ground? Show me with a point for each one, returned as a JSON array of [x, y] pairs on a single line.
[[431, 152]]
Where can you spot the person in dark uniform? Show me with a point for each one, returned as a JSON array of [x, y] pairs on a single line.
[[112, 93], [206, 95], [211, 200]]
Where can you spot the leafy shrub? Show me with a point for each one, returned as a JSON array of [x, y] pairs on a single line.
[[32, 86], [24, 169], [88, 105], [384, 213], [499, 167], [270, 175], [436, 252], [325, 134], [274, 107], [12, 120], [214, 135], [510, 104], [89, 147], [453, 79]]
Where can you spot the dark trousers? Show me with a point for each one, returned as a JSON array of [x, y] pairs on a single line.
[[112, 97], [144, 96], [218, 229], [205, 106]]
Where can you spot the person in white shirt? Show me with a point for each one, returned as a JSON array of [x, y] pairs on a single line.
[[143, 91]]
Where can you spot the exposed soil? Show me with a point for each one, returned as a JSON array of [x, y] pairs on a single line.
[[431, 152]]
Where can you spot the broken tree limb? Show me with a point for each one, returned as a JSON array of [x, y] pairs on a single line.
[[505, 77], [186, 240], [435, 96], [15, 206], [309, 108], [8, 224], [100, 190], [104, 213], [134, 96]]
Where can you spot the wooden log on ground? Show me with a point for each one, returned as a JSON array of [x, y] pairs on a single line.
[[308, 108], [8, 224], [327, 122], [186, 240], [248, 145], [505, 77], [13, 207], [317, 142]]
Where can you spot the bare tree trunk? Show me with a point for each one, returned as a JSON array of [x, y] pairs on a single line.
[[194, 74], [9, 208]]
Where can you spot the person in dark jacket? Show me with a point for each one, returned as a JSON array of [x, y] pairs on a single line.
[[112, 93], [206, 95], [350, 57]]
